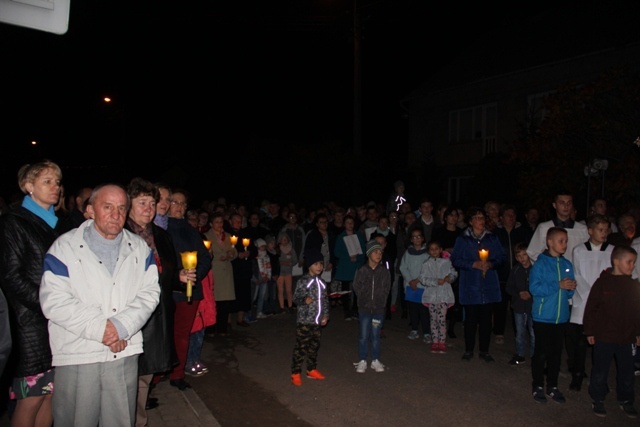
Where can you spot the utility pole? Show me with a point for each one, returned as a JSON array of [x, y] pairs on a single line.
[[357, 90]]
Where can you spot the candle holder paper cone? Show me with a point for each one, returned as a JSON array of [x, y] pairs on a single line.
[[189, 261]]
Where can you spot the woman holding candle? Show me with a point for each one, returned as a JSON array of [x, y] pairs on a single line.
[[477, 254], [185, 239], [223, 252]]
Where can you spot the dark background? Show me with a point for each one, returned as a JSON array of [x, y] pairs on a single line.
[[247, 100]]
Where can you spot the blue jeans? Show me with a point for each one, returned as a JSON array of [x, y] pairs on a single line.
[[524, 333], [260, 296], [370, 327], [196, 340]]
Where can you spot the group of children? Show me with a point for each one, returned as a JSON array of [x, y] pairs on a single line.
[[591, 300]]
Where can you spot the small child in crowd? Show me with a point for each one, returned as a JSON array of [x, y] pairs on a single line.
[[612, 325], [262, 275], [371, 285], [590, 259], [310, 296], [518, 288], [551, 283], [437, 274]]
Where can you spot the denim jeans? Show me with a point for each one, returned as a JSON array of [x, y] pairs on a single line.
[[196, 340], [260, 296], [524, 333], [370, 327]]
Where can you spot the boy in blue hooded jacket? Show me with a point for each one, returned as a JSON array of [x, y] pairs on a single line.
[[551, 284]]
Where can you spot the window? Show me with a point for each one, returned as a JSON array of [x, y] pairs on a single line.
[[535, 110], [459, 189], [475, 124]]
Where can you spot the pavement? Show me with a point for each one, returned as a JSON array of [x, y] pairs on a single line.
[[179, 408], [176, 409]]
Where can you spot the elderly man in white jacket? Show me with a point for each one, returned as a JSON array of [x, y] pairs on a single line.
[[100, 285]]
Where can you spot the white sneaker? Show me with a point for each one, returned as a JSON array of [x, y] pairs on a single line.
[[262, 316], [413, 335], [377, 366], [361, 366], [427, 339]]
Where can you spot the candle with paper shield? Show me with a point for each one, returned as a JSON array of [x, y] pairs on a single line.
[[189, 261], [245, 243], [233, 240], [484, 256], [207, 244]]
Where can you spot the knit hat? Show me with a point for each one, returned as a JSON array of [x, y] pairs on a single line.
[[373, 245], [311, 257], [260, 242]]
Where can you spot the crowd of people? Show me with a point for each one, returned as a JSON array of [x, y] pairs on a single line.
[[127, 281]]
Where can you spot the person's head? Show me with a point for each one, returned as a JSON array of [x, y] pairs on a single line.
[[164, 200], [627, 225], [217, 221], [563, 204], [254, 219], [108, 206], [81, 196], [292, 219], [409, 218], [283, 239], [179, 204], [598, 228], [417, 237], [557, 238], [398, 186], [374, 251], [532, 215], [450, 217], [623, 260], [492, 209], [349, 223], [271, 242], [42, 182], [477, 219], [203, 218], [192, 217], [235, 220], [372, 213], [393, 219], [434, 248], [338, 216], [322, 222], [143, 195], [380, 238], [383, 222], [261, 244], [520, 250], [599, 206], [508, 216], [426, 208], [313, 262]]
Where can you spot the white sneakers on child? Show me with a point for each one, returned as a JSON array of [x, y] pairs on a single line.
[[377, 366], [361, 366]]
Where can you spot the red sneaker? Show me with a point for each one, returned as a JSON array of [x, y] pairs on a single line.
[[296, 379], [435, 348], [443, 347], [315, 375]]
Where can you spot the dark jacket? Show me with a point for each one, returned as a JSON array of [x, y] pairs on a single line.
[[372, 288], [517, 282], [5, 333], [187, 239], [157, 334], [611, 314], [472, 287], [24, 241], [509, 239]]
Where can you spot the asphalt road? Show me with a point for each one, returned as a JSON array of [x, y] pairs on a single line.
[[249, 383]]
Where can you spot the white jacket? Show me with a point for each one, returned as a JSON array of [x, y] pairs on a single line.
[[78, 295]]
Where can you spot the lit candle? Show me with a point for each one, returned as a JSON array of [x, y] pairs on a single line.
[[207, 244], [245, 243], [233, 240], [484, 256], [189, 261]]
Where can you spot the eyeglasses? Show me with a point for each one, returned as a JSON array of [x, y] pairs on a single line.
[[181, 204]]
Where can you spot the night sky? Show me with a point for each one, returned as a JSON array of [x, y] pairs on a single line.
[[213, 81]]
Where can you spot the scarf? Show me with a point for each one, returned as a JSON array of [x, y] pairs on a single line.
[[264, 264], [147, 234], [47, 215]]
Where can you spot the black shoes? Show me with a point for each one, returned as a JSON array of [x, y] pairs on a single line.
[[628, 409], [181, 384], [486, 357], [516, 360], [599, 409], [555, 395], [467, 356], [152, 403], [576, 382], [538, 395]]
